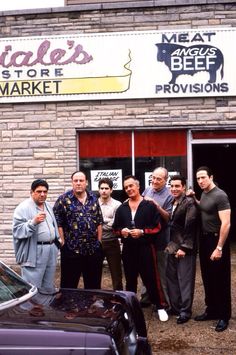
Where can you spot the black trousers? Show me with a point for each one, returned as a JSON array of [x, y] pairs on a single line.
[[216, 276], [74, 265], [141, 259]]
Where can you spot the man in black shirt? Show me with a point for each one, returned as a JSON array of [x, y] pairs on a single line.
[[182, 251], [137, 222]]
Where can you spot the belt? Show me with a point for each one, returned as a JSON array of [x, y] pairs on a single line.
[[46, 243]]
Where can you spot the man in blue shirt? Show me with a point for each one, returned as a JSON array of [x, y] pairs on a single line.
[[160, 195]]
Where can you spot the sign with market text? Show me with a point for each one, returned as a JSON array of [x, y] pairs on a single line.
[[119, 65]]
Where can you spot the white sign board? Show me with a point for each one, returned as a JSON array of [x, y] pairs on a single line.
[[114, 175], [119, 65]]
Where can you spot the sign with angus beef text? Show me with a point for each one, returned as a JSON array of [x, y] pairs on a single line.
[[119, 65]]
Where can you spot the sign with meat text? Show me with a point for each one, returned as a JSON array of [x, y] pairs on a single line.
[[119, 65]]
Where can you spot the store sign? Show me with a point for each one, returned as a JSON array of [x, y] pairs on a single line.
[[140, 64], [114, 175]]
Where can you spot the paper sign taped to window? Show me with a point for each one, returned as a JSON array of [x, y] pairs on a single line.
[[114, 175]]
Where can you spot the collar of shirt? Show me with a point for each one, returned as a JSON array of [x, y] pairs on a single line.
[[90, 196], [107, 202]]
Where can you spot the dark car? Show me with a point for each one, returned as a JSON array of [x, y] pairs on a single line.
[[73, 321]]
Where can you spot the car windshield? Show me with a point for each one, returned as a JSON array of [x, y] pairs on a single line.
[[13, 287]]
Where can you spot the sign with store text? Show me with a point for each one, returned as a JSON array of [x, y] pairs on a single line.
[[119, 65], [114, 175]]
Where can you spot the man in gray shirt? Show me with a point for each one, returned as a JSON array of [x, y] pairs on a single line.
[[35, 237], [214, 250]]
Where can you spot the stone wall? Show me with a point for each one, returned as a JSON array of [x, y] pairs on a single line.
[[39, 139]]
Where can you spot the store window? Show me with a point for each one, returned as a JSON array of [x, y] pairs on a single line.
[[159, 148], [119, 153], [106, 154]]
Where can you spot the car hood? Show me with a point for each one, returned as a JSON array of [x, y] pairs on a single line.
[[70, 309]]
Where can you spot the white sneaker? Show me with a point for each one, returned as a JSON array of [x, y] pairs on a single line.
[[162, 314]]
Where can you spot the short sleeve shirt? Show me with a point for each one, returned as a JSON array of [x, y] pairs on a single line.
[[79, 221], [164, 199], [210, 204]]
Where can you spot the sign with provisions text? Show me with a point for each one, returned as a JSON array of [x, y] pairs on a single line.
[[119, 65]]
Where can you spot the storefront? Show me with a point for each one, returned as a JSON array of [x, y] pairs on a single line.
[[115, 89], [116, 154]]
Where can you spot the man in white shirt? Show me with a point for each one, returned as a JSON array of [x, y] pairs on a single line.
[[110, 242]]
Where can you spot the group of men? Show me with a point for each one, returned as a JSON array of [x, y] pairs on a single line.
[[158, 229]]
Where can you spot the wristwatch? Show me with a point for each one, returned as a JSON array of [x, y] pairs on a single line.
[[219, 248]]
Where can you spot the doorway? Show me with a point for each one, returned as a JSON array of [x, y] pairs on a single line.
[[220, 158]]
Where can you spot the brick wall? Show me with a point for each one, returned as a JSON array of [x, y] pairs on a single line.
[[39, 139]]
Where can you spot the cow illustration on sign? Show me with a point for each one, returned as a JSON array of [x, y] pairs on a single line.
[[191, 60]]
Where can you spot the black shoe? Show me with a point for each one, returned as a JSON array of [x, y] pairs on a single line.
[[203, 317], [221, 325], [145, 300], [171, 312], [182, 319]]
